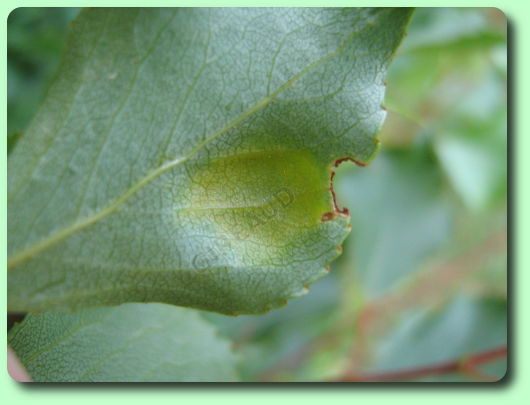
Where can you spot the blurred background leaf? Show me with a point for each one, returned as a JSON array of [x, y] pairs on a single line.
[[465, 325], [34, 43], [422, 280]]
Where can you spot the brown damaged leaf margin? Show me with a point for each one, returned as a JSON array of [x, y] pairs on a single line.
[[330, 215], [327, 216]]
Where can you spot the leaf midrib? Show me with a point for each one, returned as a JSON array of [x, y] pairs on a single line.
[[64, 233]]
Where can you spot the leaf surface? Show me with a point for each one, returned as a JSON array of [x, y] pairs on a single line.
[[402, 213], [183, 155], [464, 326], [130, 343]]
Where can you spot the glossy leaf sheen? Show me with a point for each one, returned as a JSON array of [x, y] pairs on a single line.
[[131, 342], [183, 155]]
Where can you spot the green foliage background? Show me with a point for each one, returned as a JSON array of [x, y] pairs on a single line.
[[423, 277]]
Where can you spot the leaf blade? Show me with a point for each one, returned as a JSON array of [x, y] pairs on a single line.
[[111, 211], [132, 342]]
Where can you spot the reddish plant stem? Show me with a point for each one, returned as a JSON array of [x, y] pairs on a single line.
[[467, 365], [428, 290], [375, 316]]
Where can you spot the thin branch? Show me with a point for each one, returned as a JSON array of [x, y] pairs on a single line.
[[467, 365], [428, 290]]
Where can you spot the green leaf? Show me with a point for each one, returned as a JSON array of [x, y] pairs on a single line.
[[34, 42], [400, 218], [131, 342], [472, 148], [271, 344], [447, 30], [465, 326], [183, 155]]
